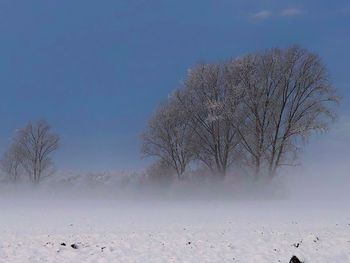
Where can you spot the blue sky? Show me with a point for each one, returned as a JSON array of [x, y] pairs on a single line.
[[96, 70]]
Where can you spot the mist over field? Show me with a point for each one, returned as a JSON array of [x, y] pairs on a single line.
[[321, 175], [126, 217], [174, 131], [321, 179]]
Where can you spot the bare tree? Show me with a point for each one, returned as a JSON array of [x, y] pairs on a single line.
[[255, 76], [211, 102], [168, 137], [256, 111], [11, 163], [287, 97], [34, 145]]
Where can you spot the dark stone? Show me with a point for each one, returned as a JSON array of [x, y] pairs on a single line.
[[294, 259], [63, 244], [75, 246], [188, 243]]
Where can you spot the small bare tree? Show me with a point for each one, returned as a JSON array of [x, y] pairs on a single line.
[[34, 145], [11, 163], [168, 137]]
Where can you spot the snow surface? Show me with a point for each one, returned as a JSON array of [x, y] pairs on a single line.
[[32, 230]]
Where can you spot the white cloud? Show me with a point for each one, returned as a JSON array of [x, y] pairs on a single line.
[[291, 12], [287, 12], [263, 14]]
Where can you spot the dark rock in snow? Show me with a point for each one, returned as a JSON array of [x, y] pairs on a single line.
[[294, 259], [63, 244], [296, 245], [188, 243], [75, 246]]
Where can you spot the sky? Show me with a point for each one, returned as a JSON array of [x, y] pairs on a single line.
[[96, 70]]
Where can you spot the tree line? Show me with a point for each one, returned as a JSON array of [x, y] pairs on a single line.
[[253, 114]]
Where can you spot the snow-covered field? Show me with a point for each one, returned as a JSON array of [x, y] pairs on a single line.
[[34, 230]]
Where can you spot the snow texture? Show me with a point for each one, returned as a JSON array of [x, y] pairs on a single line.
[[68, 230]]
